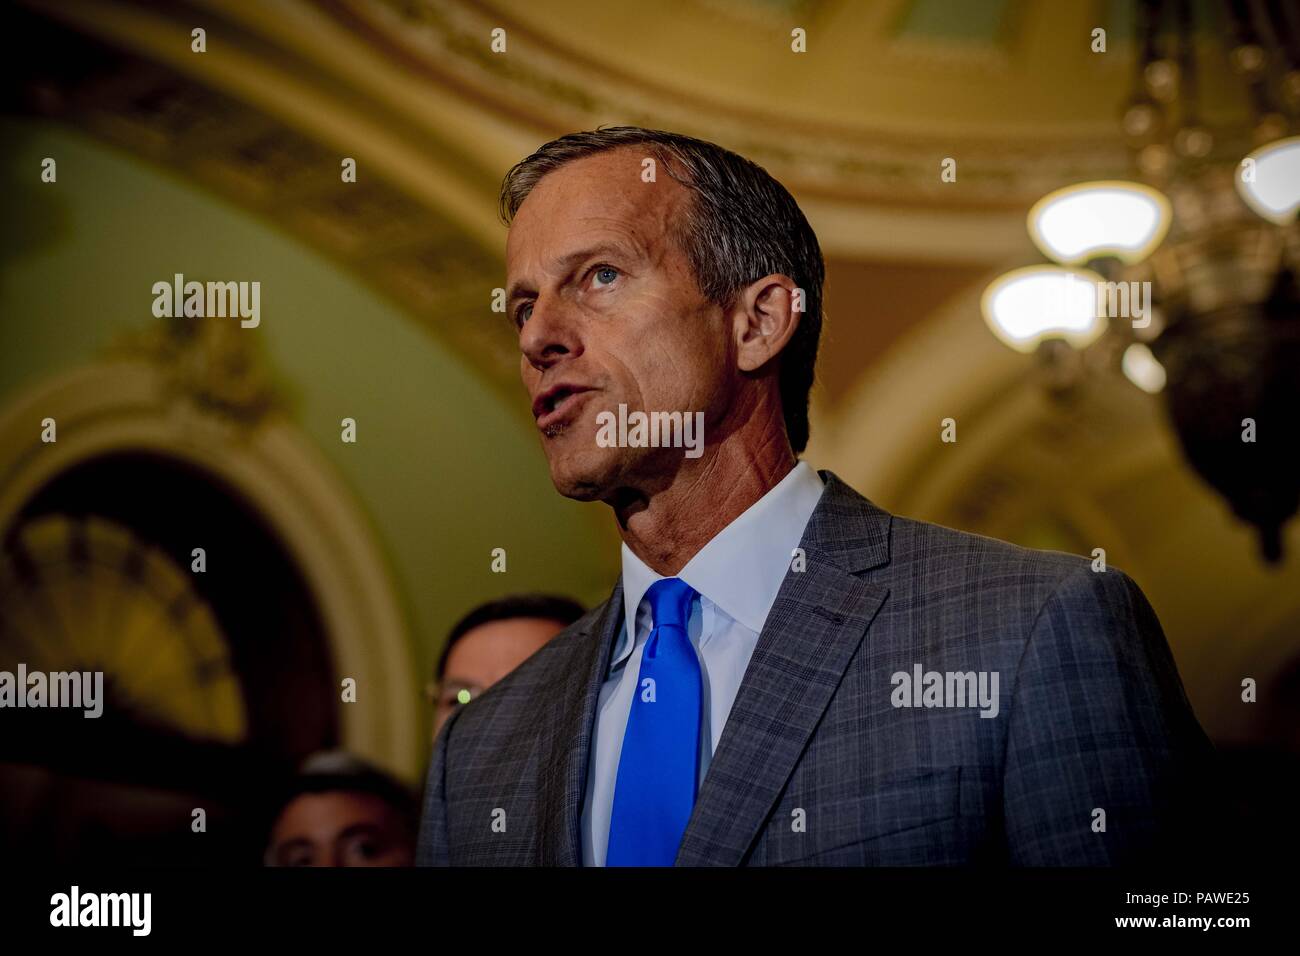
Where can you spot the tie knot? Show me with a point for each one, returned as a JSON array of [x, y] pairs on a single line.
[[670, 602]]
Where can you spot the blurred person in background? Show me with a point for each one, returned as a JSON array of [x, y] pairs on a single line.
[[491, 641], [341, 811]]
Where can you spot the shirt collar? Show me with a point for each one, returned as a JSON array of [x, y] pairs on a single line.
[[741, 569]]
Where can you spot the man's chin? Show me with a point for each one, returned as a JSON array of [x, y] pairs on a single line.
[[587, 476]]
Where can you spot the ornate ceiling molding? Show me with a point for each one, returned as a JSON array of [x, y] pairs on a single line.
[[414, 250], [552, 88]]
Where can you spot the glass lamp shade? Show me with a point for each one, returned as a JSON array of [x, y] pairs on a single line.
[[1269, 180], [1105, 218], [1143, 369], [1025, 306]]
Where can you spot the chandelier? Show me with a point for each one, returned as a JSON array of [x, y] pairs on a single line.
[[1185, 278]]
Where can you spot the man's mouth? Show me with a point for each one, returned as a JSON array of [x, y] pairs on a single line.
[[558, 404]]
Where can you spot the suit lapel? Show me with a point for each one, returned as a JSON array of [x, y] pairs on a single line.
[[816, 624], [572, 710]]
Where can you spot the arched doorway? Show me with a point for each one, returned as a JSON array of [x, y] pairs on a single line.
[[214, 683], [217, 681]]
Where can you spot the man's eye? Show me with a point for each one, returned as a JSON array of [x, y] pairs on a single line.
[[360, 849], [523, 312], [604, 276]]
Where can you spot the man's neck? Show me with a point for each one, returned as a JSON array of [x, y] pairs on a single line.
[[669, 527]]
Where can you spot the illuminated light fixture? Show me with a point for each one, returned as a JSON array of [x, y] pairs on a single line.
[[1227, 344], [1269, 180], [1025, 306], [1107, 218], [1143, 369]]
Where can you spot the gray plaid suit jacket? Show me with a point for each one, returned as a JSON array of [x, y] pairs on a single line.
[[816, 766]]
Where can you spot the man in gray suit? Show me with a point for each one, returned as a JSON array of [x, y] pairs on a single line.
[[785, 673]]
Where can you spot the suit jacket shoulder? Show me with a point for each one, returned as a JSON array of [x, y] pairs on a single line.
[[1079, 709]]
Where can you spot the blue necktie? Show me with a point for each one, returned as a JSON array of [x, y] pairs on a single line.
[[659, 765]]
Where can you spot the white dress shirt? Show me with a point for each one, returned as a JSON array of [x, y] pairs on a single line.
[[737, 575]]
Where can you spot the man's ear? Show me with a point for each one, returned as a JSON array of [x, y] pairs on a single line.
[[767, 315]]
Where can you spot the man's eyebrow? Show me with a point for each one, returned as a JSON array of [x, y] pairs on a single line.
[[518, 289], [464, 682], [359, 829], [281, 850]]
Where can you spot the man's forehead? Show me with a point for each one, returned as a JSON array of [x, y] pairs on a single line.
[[605, 192]]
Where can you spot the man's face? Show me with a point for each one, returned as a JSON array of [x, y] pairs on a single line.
[[609, 312], [486, 654], [339, 828]]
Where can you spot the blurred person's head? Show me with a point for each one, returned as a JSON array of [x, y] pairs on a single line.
[[669, 275], [341, 811], [491, 641]]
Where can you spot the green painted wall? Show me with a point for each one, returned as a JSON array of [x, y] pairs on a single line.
[[445, 466]]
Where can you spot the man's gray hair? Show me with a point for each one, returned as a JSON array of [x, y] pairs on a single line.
[[742, 225]]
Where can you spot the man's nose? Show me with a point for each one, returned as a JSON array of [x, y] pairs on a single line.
[[550, 334]]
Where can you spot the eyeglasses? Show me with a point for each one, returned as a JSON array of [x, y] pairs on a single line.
[[454, 694]]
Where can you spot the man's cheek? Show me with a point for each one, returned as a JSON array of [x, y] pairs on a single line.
[[678, 383], [527, 374]]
